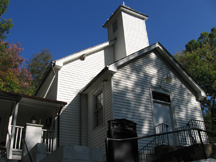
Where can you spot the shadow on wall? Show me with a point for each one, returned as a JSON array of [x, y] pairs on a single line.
[[132, 93]]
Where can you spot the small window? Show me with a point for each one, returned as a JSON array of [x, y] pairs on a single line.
[[98, 109], [115, 26], [160, 96]]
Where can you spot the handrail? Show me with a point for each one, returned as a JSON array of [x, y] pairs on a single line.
[[148, 155], [158, 134]]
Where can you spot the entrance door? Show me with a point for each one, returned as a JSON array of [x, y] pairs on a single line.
[[162, 113]]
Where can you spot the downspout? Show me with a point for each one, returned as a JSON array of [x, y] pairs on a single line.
[[54, 75], [58, 126], [80, 126]]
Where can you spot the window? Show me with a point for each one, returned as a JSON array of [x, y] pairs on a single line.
[[98, 109], [161, 96], [115, 26]]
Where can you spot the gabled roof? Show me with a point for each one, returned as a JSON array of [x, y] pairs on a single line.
[[113, 68]]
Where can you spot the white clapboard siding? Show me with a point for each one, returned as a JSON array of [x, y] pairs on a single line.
[[72, 77], [131, 34], [135, 33], [132, 94], [96, 136]]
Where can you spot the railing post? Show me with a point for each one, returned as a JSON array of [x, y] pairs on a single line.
[[13, 131], [202, 144], [107, 150]]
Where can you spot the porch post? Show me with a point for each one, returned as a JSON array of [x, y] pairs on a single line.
[[13, 131], [9, 135]]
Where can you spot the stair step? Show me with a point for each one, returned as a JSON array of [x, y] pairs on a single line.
[[189, 153], [11, 160]]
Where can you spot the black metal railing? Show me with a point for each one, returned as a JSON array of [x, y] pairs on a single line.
[[204, 125], [147, 156], [185, 137], [164, 139], [147, 153]]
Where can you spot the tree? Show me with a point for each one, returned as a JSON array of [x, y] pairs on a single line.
[[5, 24], [199, 59], [13, 76], [38, 64]]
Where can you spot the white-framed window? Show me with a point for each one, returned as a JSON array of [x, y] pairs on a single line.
[[98, 108]]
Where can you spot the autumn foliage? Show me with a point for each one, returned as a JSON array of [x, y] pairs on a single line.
[[13, 76]]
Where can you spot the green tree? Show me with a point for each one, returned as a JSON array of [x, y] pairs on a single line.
[[38, 64], [5, 24], [13, 76], [199, 59]]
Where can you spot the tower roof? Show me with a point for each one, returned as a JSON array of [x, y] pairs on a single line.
[[127, 10]]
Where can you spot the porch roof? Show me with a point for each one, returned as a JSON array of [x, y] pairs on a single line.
[[29, 104], [17, 97]]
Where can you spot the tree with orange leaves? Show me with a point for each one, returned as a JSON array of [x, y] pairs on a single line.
[[13, 76]]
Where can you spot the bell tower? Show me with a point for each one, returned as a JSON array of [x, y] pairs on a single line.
[[128, 27]]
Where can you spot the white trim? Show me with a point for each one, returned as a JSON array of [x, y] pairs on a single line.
[[111, 84], [98, 90], [167, 92]]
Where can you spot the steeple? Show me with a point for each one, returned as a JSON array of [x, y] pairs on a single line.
[[128, 27]]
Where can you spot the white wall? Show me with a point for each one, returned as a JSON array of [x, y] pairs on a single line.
[[72, 78], [132, 94], [131, 35], [136, 37], [96, 136]]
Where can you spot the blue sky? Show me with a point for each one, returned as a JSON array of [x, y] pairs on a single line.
[[68, 26]]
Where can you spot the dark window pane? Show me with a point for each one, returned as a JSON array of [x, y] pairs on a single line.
[[160, 96], [98, 112]]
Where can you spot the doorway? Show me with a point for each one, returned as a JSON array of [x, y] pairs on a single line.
[[162, 114]]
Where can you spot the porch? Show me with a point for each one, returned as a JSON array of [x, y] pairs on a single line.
[[20, 112]]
